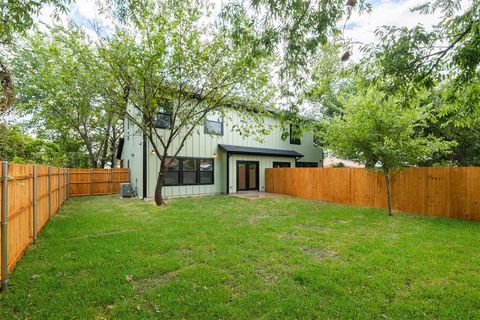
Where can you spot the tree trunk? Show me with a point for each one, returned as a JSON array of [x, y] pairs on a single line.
[[93, 162], [159, 186], [113, 147], [389, 201]]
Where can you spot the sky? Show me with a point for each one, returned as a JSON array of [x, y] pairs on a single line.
[[359, 28]]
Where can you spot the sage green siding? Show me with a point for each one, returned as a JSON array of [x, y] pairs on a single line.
[[206, 146], [132, 156]]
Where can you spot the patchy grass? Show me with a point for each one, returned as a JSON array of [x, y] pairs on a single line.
[[225, 257]]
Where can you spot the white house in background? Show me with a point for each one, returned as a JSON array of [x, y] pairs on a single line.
[[216, 159]]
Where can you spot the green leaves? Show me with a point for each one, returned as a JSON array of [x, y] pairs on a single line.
[[17, 16], [62, 89], [376, 129]]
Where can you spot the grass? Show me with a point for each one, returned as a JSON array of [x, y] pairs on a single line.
[[224, 257]]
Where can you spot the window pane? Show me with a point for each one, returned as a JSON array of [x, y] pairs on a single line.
[[206, 165], [213, 127], [214, 116], [281, 164], [174, 165], [206, 177], [294, 133], [190, 177], [163, 121], [189, 165], [171, 178]]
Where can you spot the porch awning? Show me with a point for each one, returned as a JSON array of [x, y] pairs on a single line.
[[259, 151]]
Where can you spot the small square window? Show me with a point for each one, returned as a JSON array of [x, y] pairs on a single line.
[[162, 121], [214, 123], [163, 117]]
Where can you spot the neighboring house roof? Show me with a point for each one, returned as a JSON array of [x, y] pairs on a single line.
[[259, 151]]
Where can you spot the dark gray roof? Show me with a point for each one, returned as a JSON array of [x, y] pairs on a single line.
[[259, 151]]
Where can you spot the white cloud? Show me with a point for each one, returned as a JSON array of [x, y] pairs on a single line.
[[89, 10], [361, 28]]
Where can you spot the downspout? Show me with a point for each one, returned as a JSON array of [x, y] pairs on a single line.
[[144, 172]]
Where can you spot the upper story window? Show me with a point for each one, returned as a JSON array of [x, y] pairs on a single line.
[[214, 123], [294, 134], [163, 117]]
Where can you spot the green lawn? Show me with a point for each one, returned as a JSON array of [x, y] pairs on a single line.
[[225, 257]]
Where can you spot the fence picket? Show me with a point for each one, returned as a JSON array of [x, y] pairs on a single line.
[[30, 196], [436, 191]]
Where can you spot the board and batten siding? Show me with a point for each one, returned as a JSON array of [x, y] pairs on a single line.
[[201, 145], [132, 156]]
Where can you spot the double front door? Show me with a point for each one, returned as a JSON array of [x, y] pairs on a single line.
[[247, 175]]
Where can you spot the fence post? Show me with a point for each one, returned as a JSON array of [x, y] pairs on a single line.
[[35, 203], [113, 182], [68, 183], [4, 226], [58, 190], [65, 184], [91, 181], [49, 193]]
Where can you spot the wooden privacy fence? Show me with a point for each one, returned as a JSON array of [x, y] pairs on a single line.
[[31, 194], [436, 191], [88, 182]]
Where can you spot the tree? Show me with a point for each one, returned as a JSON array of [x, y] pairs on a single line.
[[291, 29], [445, 57], [16, 17], [174, 61], [61, 86], [18, 147], [377, 129]]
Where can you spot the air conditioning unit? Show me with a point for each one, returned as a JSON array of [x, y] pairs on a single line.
[[126, 190]]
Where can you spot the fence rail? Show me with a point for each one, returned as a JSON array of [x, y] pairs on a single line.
[[88, 182], [32, 194], [436, 191]]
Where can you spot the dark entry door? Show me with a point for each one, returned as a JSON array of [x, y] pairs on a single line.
[[247, 175]]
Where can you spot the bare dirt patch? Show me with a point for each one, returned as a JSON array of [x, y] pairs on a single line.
[[320, 253], [143, 285]]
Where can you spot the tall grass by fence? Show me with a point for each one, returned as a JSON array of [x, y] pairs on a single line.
[[32, 194], [436, 191]]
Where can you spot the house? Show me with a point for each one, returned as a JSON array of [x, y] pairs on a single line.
[[216, 159]]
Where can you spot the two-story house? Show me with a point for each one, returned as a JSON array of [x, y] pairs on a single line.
[[216, 159]]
